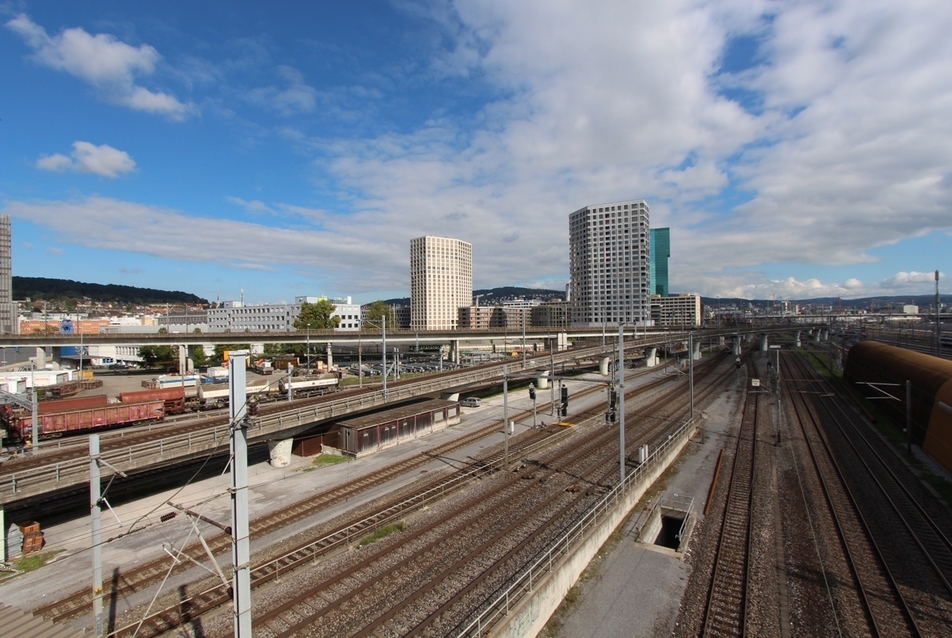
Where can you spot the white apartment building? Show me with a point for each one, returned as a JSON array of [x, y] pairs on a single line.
[[344, 307], [441, 281], [236, 316], [676, 311], [608, 264]]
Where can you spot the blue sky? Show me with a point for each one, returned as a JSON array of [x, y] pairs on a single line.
[[795, 149]]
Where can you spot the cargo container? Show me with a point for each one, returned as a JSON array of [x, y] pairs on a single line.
[[174, 398], [18, 422], [309, 386], [75, 403], [215, 395]]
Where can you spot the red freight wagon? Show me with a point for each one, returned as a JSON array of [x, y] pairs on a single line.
[[68, 405], [86, 420], [174, 398]]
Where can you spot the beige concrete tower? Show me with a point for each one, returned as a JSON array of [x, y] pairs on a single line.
[[441, 280]]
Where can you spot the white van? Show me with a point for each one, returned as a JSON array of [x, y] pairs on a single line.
[[470, 402]]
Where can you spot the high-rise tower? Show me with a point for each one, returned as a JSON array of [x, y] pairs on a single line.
[[8, 313], [608, 262], [660, 252], [441, 280]]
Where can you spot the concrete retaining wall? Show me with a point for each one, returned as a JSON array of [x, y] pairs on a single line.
[[529, 616]]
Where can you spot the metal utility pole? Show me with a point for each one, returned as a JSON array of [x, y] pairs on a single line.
[[938, 319], [524, 338], [552, 379], [96, 499], [505, 418], [360, 354], [96, 525], [621, 404], [240, 537], [383, 328], [290, 392], [35, 426], [691, 372]]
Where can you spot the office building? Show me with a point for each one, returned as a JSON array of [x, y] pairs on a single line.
[[237, 316], [660, 241], [441, 282], [608, 264], [8, 310], [676, 311]]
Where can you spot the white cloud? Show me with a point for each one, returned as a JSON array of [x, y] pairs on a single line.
[[104, 62], [112, 224], [101, 160], [296, 98], [906, 280], [254, 206], [847, 152]]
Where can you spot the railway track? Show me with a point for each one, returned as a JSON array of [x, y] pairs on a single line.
[[915, 547], [196, 604], [725, 613], [152, 572], [451, 610], [864, 597], [191, 607], [149, 574]]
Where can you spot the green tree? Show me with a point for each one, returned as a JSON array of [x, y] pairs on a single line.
[[271, 349], [317, 316], [198, 356], [380, 309], [155, 355]]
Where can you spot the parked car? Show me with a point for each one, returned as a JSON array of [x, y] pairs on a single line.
[[470, 402]]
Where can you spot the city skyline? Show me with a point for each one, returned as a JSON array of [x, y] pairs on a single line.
[[795, 151]]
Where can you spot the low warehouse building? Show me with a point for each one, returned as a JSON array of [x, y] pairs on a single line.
[[367, 434]]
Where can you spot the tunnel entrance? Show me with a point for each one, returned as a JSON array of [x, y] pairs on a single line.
[[670, 534], [668, 523]]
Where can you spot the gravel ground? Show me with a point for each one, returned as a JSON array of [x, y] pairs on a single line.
[[633, 589]]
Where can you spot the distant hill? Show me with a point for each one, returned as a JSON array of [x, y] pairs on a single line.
[[55, 289], [867, 303]]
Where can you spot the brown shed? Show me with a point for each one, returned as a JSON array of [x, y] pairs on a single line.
[[367, 434]]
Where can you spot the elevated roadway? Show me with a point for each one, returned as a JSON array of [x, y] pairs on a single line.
[[22, 483], [404, 337]]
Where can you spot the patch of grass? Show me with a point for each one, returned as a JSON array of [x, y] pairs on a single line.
[[34, 561], [328, 459], [382, 532], [324, 459]]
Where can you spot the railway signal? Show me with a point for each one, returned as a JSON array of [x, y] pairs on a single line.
[[532, 395]]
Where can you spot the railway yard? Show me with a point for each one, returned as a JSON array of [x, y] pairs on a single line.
[[791, 514]]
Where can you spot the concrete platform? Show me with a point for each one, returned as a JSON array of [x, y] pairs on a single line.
[[633, 589]]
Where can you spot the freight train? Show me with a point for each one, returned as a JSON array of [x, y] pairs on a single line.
[[56, 420], [84, 414], [215, 395]]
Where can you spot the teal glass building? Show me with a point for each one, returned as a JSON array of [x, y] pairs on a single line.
[[660, 250]]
